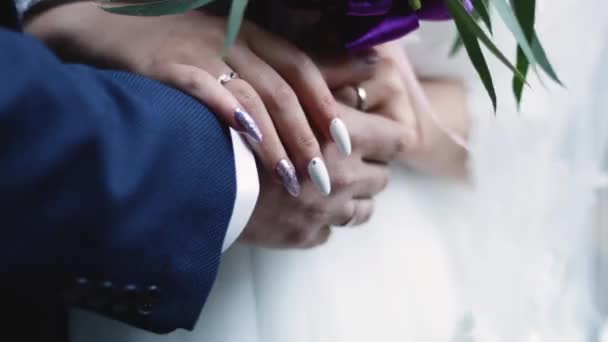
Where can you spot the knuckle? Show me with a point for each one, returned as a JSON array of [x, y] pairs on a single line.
[[393, 86], [192, 82], [296, 237], [345, 213], [298, 63], [400, 146], [283, 91], [367, 213], [309, 145], [316, 212], [303, 236], [327, 104], [161, 60], [245, 94], [323, 237], [359, 138], [388, 65], [344, 179], [348, 211], [384, 179], [281, 98], [318, 239]]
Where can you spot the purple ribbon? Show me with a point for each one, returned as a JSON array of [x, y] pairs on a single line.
[[373, 22]]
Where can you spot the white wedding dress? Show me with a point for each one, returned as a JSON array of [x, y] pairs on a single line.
[[514, 256]]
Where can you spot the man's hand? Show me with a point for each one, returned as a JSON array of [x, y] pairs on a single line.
[[280, 97], [428, 111], [281, 221]]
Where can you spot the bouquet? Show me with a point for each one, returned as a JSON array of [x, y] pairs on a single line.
[[361, 24]]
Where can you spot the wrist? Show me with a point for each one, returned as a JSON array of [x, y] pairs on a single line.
[[56, 23], [72, 31], [28, 9], [437, 152]]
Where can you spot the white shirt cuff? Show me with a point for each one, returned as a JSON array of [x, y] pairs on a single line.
[[247, 189]]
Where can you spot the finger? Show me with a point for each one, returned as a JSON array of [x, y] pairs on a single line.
[[347, 95], [376, 138], [317, 238], [373, 179], [361, 179], [385, 87], [401, 112], [367, 96], [348, 69], [271, 151], [306, 80], [257, 125], [287, 116], [201, 85], [364, 211], [355, 212]]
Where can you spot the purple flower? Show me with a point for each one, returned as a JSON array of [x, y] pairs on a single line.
[[372, 22]]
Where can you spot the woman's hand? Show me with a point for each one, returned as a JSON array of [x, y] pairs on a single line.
[[432, 113], [282, 221], [279, 89]]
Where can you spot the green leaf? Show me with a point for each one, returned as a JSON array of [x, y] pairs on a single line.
[[471, 44], [415, 4], [470, 26], [542, 60], [235, 19], [525, 12], [508, 16], [526, 15], [158, 8], [456, 46], [523, 66], [481, 8]]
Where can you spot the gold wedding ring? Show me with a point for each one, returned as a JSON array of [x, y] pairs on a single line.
[[361, 98]]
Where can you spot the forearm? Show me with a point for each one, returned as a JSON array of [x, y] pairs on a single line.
[[435, 109], [70, 28], [111, 177], [447, 122]]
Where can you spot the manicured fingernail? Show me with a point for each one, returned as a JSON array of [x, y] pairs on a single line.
[[340, 134], [319, 175], [288, 176], [248, 125]]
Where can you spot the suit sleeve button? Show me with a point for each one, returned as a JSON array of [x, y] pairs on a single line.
[[144, 309], [77, 291], [102, 295], [148, 300], [154, 293], [106, 288], [125, 300]]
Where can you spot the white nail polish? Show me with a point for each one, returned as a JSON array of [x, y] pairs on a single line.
[[319, 175], [340, 134]]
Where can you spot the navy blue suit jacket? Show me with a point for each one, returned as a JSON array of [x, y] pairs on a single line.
[[115, 194]]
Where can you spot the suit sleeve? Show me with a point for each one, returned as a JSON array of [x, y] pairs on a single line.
[[115, 191]]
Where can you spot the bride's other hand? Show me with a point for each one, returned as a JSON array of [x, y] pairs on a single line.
[[282, 221], [395, 92], [278, 83], [438, 151]]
